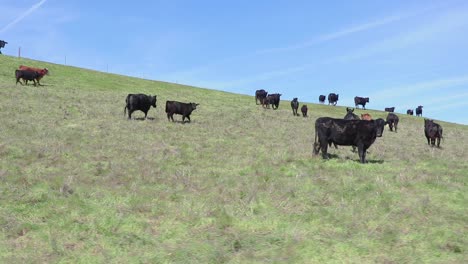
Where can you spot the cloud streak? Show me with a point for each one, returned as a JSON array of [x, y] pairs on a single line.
[[22, 16]]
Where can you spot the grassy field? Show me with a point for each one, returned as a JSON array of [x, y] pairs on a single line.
[[82, 184]]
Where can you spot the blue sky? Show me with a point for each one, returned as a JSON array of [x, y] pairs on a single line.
[[398, 53]]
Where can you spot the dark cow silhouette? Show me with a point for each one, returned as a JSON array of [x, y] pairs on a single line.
[[332, 98], [366, 116], [259, 95], [295, 106], [26, 76], [432, 131], [361, 101], [419, 110], [390, 109], [273, 99], [41, 71], [141, 102], [184, 109], [2, 45], [304, 110], [322, 98], [409, 112], [392, 120], [359, 133], [350, 115]]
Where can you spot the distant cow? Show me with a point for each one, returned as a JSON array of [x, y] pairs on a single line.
[[361, 101], [432, 131], [259, 95], [322, 98], [409, 112], [141, 102], [366, 116], [295, 106], [273, 99], [359, 133], [332, 99], [392, 120], [2, 45], [419, 110], [41, 71], [350, 115], [184, 109], [390, 109], [26, 76], [304, 110]]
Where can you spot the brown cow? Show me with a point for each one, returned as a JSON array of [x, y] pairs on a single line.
[[40, 71], [366, 116]]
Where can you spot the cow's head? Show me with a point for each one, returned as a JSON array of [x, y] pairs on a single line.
[[194, 105], [379, 126], [295, 99], [349, 110], [153, 100]]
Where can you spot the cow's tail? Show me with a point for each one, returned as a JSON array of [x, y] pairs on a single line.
[[167, 107], [126, 105], [316, 144]]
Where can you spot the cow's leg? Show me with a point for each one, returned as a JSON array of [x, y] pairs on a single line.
[[324, 147], [438, 142], [146, 113], [316, 148], [188, 117], [362, 153], [130, 111]]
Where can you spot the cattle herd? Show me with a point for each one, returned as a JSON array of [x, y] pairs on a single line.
[[351, 130]]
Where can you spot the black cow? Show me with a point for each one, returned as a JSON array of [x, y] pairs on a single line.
[[273, 99], [359, 133], [432, 131], [409, 112], [141, 102], [184, 109], [304, 110], [295, 106], [259, 95], [390, 109], [361, 101], [419, 110], [2, 45], [332, 98], [350, 115], [322, 98], [392, 120], [26, 76]]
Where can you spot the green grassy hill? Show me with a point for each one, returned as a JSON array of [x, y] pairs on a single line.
[[82, 184]]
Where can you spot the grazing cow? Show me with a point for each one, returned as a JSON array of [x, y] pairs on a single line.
[[295, 106], [26, 76], [141, 102], [259, 95], [273, 99], [361, 101], [184, 109], [359, 133], [419, 110], [433, 131], [392, 120], [304, 110], [2, 45], [350, 115], [41, 72], [322, 99], [366, 116], [409, 112], [333, 99], [390, 109]]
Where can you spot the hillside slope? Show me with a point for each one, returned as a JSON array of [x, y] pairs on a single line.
[[239, 184]]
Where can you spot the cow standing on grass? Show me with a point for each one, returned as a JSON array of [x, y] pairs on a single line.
[[361, 101], [333, 99], [409, 112], [273, 99], [390, 109], [26, 76], [322, 98], [392, 120], [2, 45], [40, 71], [359, 133], [260, 95], [304, 110], [295, 106], [433, 132], [141, 102], [184, 109], [419, 110]]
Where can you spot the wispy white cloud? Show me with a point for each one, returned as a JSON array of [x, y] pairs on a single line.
[[22, 16]]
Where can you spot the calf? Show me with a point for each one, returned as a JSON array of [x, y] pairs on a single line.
[[366, 116], [390, 109], [26, 76], [359, 133], [392, 120], [260, 95], [304, 110], [184, 109], [273, 99], [333, 99], [409, 112], [141, 102], [322, 98], [361, 101], [419, 110], [295, 106], [40, 71], [432, 131]]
